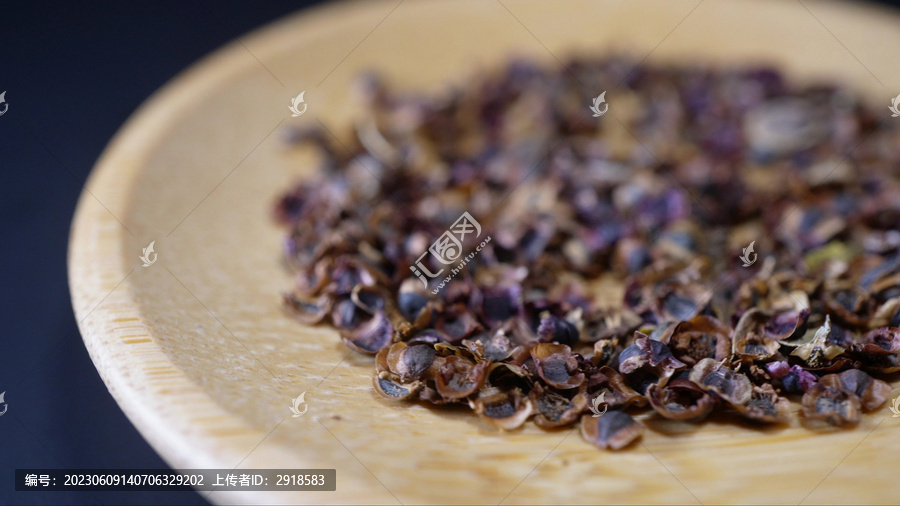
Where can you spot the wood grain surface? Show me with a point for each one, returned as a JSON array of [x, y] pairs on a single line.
[[198, 353]]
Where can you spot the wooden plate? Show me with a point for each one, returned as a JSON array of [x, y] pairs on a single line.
[[195, 346]]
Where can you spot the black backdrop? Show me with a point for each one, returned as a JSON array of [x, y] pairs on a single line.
[[73, 73]]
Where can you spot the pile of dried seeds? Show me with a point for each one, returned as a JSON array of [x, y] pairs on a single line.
[[613, 269]]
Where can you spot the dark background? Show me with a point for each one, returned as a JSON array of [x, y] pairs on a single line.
[[73, 73]]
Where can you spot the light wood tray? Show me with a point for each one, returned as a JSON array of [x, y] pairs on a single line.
[[191, 346]]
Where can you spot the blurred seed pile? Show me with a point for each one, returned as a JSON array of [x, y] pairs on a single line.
[[724, 158]]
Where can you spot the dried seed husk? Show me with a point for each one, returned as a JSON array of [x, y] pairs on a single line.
[[447, 349], [345, 315], [887, 314], [619, 394], [818, 353], [370, 299], [886, 339], [750, 339], [717, 378], [850, 306], [390, 387], [311, 279], [494, 347], [413, 302], [556, 364], [613, 431], [428, 336], [409, 362], [554, 410], [766, 406], [553, 329], [833, 405], [617, 323], [700, 337], [794, 379], [872, 393], [508, 376], [307, 311], [496, 304], [787, 326], [506, 410], [680, 399], [457, 323], [347, 272], [681, 303], [648, 354], [879, 350], [606, 351], [370, 336], [459, 377]]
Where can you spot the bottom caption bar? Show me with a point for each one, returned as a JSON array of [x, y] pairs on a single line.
[[148, 480]]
